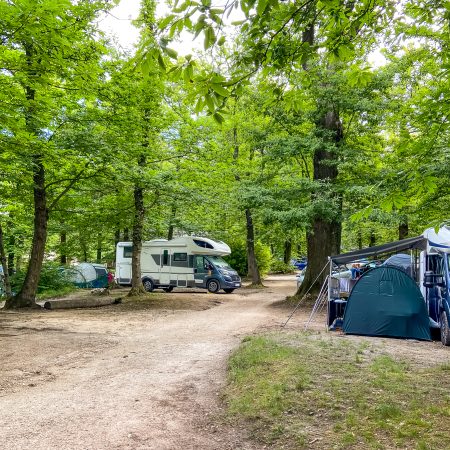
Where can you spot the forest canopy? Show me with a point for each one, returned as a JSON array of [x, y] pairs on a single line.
[[280, 137]]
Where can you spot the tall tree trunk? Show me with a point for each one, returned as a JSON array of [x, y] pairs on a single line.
[[324, 239], [403, 229], [359, 237], [173, 213], [252, 264], [372, 239], [253, 270], [116, 241], [138, 226], [126, 234], [11, 246], [99, 249], [27, 294], [62, 241], [6, 282], [287, 251]]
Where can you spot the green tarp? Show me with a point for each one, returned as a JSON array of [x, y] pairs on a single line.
[[387, 302]]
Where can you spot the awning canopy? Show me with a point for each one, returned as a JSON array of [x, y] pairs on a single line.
[[418, 242]]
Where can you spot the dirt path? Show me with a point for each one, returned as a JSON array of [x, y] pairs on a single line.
[[143, 378]]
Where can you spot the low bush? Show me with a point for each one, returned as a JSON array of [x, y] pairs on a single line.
[[238, 257], [277, 266], [53, 281]]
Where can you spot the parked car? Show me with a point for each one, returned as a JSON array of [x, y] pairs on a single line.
[[300, 263]]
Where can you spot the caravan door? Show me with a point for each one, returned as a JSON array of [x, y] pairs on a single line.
[[164, 270], [200, 271]]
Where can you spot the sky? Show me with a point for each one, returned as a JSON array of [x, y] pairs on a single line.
[[118, 22]]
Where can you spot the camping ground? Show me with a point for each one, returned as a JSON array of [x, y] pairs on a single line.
[[157, 374]]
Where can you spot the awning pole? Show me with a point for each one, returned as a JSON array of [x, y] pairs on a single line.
[[306, 293]]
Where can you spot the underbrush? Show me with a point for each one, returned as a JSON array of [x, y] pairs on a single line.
[[307, 391]]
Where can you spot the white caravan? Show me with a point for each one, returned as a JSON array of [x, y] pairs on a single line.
[[187, 262]]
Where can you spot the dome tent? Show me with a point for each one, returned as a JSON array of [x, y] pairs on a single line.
[[387, 302], [87, 275]]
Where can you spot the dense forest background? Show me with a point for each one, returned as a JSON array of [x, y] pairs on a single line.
[[280, 138]]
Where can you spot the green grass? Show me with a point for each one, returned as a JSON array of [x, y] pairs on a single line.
[[54, 293], [308, 391]]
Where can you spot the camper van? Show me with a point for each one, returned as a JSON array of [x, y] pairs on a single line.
[[187, 262], [435, 279]]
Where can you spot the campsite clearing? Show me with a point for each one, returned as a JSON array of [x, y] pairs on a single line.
[[151, 375]]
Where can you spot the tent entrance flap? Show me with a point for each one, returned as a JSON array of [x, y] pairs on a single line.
[[418, 242]]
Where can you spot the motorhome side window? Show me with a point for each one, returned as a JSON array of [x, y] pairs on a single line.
[[127, 252], [180, 256], [166, 257]]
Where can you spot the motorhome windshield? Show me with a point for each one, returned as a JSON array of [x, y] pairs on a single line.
[[219, 262]]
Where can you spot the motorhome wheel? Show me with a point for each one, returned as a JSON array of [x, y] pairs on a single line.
[[228, 291], [168, 289], [148, 285], [213, 286], [445, 330]]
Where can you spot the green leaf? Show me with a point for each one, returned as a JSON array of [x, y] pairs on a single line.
[[164, 22], [218, 118], [261, 7], [210, 103], [219, 89], [161, 62], [171, 53]]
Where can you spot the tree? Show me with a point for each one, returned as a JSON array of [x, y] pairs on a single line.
[[48, 49]]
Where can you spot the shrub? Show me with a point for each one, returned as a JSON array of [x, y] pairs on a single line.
[[53, 278], [238, 257], [277, 266]]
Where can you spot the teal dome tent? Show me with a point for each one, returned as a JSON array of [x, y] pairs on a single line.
[[387, 302]]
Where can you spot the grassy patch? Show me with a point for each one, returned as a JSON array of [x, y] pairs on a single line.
[[55, 293], [308, 391]]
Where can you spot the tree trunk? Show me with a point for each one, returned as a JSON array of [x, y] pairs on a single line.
[[252, 264], [324, 239], [6, 282], [27, 294], [99, 249], [138, 225], [89, 302], [253, 270], [287, 251], [11, 252], [173, 213], [62, 241], [372, 239], [359, 237], [126, 234], [403, 229]]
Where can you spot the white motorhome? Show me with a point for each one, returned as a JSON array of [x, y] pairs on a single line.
[[187, 262]]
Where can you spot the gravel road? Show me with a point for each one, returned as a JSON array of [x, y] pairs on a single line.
[[142, 378]]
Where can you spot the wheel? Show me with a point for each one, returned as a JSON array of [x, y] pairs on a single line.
[[168, 289], [213, 286], [228, 290], [148, 285], [445, 330]]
